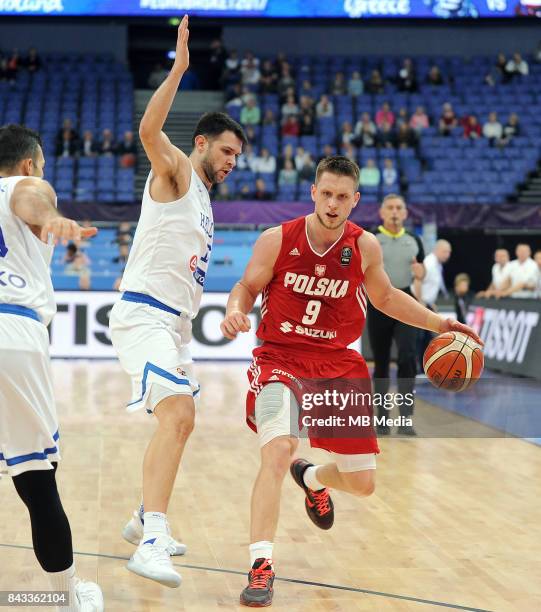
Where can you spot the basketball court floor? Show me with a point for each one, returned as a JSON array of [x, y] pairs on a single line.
[[455, 522]]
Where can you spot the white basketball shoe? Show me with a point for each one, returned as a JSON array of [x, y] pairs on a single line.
[[89, 596], [152, 560], [133, 533]]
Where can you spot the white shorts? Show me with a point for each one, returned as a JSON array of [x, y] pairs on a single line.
[[28, 422], [152, 346]]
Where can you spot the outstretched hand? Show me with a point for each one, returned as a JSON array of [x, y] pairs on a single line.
[[448, 325], [182, 56], [64, 229]]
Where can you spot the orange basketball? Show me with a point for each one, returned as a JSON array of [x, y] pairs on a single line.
[[453, 361]]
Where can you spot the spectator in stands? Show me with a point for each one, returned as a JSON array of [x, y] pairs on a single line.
[[269, 78], [348, 136], [472, 127], [386, 137], [157, 76], [389, 174], [517, 66], [407, 80], [107, 145], [290, 108], [124, 233], [14, 63], [223, 194], [301, 156], [250, 113], [493, 129], [355, 84], [245, 160], [433, 282], [406, 138], [365, 132], [60, 135], [375, 84], [245, 193], [123, 254], [76, 262], [288, 175], [249, 70], [385, 115], [88, 147], [435, 77], [306, 106], [537, 259], [348, 150], [500, 271], [32, 61], [265, 163], [463, 296], [327, 151], [287, 154], [307, 127], [402, 118], [521, 279], [127, 150], [338, 85], [286, 80], [269, 118], [261, 192], [234, 96], [510, 129], [291, 126], [448, 120], [324, 108], [307, 172], [67, 146], [250, 133], [370, 175], [498, 73], [306, 90], [4, 72], [537, 53], [419, 120], [216, 64]]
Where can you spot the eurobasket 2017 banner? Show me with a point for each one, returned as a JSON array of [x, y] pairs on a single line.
[[354, 9]]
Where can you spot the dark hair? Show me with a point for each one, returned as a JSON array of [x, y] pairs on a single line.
[[214, 124], [338, 164], [17, 143]]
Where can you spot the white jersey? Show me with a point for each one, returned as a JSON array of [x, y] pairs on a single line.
[[25, 279], [171, 249]]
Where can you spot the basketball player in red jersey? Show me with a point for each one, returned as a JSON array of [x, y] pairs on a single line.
[[316, 274]]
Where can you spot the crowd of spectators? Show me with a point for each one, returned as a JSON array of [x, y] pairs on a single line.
[[12, 63], [70, 144], [300, 109]]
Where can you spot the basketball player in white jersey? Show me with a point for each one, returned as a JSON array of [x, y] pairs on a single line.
[[162, 286], [29, 222]]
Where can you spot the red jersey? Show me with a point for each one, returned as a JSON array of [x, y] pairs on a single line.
[[314, 302]]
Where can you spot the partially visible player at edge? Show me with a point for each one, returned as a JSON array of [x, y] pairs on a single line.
[[162, 286], [315, 273], [29, 447]]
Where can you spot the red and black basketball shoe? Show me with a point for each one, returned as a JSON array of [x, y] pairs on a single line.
[[318, 504], [259, 592]]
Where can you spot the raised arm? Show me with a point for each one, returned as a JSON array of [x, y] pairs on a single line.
[[166, 159], [396, 303], [34, 201], [257, 276]]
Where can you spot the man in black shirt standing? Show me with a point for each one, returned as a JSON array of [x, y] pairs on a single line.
[[403, 255]]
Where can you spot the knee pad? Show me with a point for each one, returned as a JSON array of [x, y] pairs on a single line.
[[276, 413]]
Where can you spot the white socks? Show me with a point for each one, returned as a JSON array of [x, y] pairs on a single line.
[[310, 478], [155, 525], [261, 550], [65, 581]]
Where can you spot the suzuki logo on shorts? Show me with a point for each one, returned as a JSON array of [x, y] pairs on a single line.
[[193, 263], [286, 327], [320, 270]]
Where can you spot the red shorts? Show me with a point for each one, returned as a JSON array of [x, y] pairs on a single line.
[[302, 373]]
